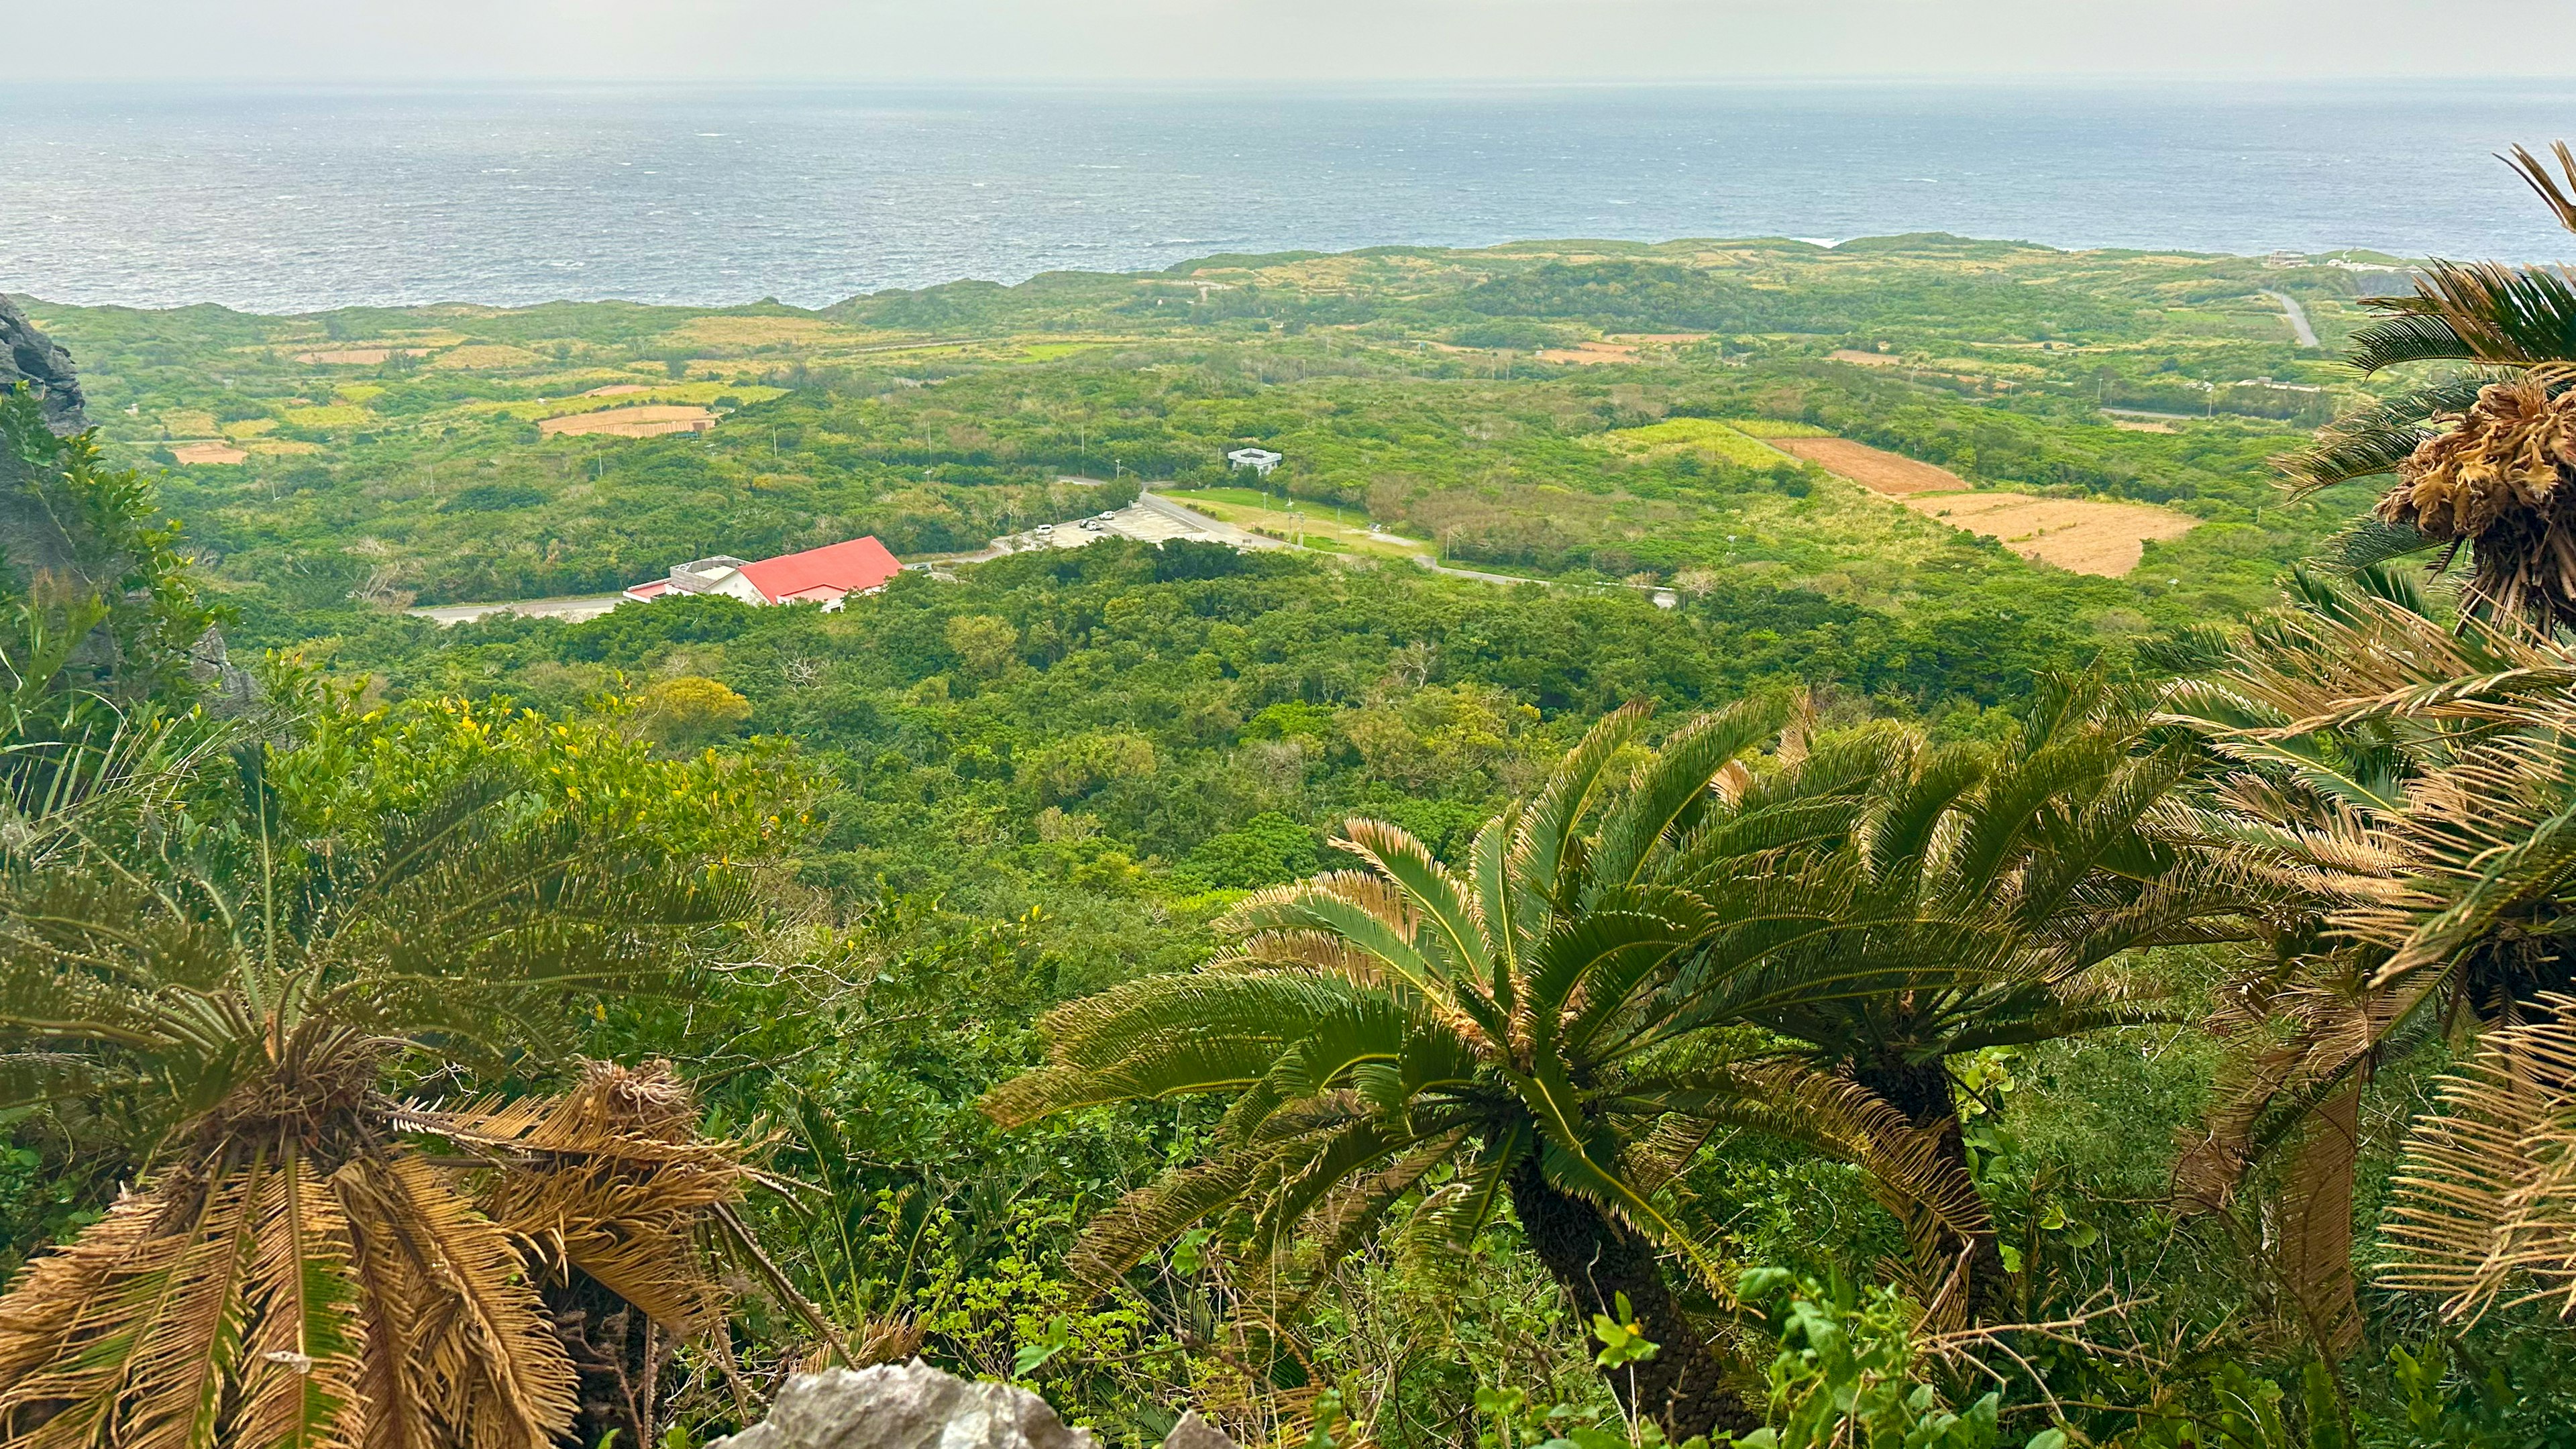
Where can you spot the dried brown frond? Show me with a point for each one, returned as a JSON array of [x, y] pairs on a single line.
[[64, 1320], [2493, 479], [2535, 172], [1326, 953], [2485, 1209], [489, 1370], [1276, 905], [2501, 456], [879, 1340], [612, 1180]]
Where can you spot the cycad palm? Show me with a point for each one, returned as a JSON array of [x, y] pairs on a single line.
[[2484, 456], [2399, 808], [1518, 1028], [292, 1272], [1970, 898]]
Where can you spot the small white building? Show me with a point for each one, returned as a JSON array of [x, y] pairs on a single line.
[[1259, 460]]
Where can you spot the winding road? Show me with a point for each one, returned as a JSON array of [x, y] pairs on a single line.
[[2298, 316]]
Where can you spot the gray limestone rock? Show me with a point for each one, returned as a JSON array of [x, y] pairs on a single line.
[[29, 356], [905, 1406], [33, 537], [1194, 1432]]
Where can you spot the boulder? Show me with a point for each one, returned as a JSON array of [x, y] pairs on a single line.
[[29, 356], [915, 1406], [1194, 1432], [905, 1406]]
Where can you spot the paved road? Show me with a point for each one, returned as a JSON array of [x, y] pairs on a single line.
[[1424, 561], [2298, 316], [586, 606], [1150, 519]]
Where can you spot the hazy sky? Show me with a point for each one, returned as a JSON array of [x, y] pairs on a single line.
[[1210, 40]]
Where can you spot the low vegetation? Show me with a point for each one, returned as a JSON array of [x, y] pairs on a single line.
[[1790, 972]]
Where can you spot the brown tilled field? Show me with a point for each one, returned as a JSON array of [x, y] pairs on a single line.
[[193, 453], [1586, 353], [2081, 535], [643, 422], [1880, 472]]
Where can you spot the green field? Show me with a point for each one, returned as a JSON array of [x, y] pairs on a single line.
[[1706, 436], [938, 419]]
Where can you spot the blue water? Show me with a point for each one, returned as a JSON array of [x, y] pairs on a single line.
[[287, 200]]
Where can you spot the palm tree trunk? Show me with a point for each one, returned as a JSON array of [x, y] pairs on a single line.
[[2316, 1224], [1921, 1090], [1682, 1387]]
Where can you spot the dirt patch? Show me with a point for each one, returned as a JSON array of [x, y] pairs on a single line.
[[2080, 535], [2133, 425], [1587, 352], [1659, 339], [195, 453], [617, 389], [1875, 469], [1865, 359], [643, 422], [361, 356]]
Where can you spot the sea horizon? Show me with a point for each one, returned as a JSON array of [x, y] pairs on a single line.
[[289, 198]]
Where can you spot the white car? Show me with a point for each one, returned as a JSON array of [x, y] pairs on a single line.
[[1045, 528]]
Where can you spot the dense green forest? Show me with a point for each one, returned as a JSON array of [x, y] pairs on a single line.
[[1785, 970]]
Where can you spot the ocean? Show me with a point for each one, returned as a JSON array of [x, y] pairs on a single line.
[[292, 200]]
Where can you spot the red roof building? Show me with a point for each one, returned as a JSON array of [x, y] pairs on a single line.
[[823, 575]]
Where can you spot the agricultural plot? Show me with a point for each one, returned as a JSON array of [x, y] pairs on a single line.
[[1768, 428], [1696, 435], [2080, 535], [643, 422], [1891, 474]]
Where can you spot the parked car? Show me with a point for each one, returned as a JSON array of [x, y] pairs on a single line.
[[1045, 528]]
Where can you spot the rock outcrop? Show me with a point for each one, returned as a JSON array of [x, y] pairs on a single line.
[[1194, 1432], [915, 1406], [33, 539], [905, 1406], [29, 356]]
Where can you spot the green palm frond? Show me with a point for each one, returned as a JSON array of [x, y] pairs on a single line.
[[1676, 788], [2373, 439], [2479, 312]]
